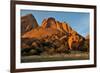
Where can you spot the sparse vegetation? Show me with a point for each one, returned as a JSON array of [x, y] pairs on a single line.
[[84, 47], [56, 57]]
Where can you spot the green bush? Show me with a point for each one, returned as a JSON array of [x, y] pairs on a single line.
[[84, 47]]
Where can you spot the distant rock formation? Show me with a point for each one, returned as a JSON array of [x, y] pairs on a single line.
[[52, 34], [28, 23]]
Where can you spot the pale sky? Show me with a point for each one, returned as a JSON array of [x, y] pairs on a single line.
[[79, 21]]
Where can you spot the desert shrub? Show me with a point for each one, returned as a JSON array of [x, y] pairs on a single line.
[[58, 50], [48, 50], [61, 49], [32, 52], [67, 51], [51, 51], [84, 47], [25, 51], [47, 44], [39, 50], [74, 46]]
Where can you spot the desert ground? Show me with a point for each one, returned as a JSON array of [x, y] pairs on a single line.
[[57, 57]]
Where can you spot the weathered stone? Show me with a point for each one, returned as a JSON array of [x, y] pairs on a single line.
[[28, 23], [53, 37]]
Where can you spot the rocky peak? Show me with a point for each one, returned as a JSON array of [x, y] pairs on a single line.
[[54, 24], [28, 22], [49, 23], [52, 30]]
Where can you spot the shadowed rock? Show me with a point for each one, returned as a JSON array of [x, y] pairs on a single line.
[[28, 23]]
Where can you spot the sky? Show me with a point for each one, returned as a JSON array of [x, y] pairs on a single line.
[[79, 21]]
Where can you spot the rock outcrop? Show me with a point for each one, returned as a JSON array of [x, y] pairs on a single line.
[[58, 36], [28, 23], [52, 23]]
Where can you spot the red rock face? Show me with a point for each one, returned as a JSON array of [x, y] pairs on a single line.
[[49, 23], [52, 23], [52, 30]]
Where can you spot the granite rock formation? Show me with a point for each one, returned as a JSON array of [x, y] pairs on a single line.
[[51, 37], [28, 22]]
